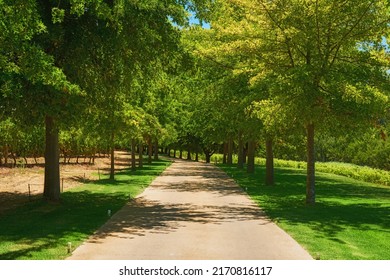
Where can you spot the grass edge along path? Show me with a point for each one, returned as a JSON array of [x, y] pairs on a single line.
[[351, 219], [44, 231]]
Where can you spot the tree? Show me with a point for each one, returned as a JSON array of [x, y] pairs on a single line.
[[44, 61], [325, 59], [219, 97], [28, 71]]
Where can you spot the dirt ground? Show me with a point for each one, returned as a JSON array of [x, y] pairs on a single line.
[[16, 183]]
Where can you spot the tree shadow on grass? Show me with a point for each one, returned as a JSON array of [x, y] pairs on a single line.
[[342, 203], [24, 253], [41, 225], [37, 226]]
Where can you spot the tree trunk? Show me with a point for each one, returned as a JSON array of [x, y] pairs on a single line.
[[240, 162], [208, 157], [133, 147], [269, 163], [181, 154], [156, 150], [251, 157], [140, 155], [51, 190], [112, 157], [6, 154], [230, 152], [13, 155], [197, 156], [225, 151], [310, 179], [245, 151], [150, 150], [189, 154]]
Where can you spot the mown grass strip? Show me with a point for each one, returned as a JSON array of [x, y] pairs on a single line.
[[42, 231], [350, 221]]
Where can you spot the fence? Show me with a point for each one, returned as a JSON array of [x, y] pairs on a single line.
[[33, 191]]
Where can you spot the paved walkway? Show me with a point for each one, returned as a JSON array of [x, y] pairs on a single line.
[[192, 211]]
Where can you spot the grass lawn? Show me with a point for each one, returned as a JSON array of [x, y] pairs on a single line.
[[41, 230], [351, 219]]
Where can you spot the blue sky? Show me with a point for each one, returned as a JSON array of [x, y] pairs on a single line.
[[194, 20]]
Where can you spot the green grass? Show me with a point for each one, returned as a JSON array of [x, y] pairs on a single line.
[[351, 219], [362, 173], [41, 230]]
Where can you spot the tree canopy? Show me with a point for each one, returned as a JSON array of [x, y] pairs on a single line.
[[272, 78], [319, 64]]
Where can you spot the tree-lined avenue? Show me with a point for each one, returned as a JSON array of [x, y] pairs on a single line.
[[192, 211]]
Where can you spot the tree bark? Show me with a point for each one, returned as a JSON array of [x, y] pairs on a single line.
[[181, 154], [225, 149], [230, 152], [251, 157], [140, 155], [197, 156], [133, 147], [51, 190], [6, 154], [208, 153], [189, 154], [245, 151], [269, 163], [150, 150], [240, 162], [156, 150], [310, 179], [112, 157], [13, 155]]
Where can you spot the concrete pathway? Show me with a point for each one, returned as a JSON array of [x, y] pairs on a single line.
[[192, 211]]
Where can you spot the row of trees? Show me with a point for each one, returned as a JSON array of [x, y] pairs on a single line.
[[290, 72], [95, 73], [92, 75]]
